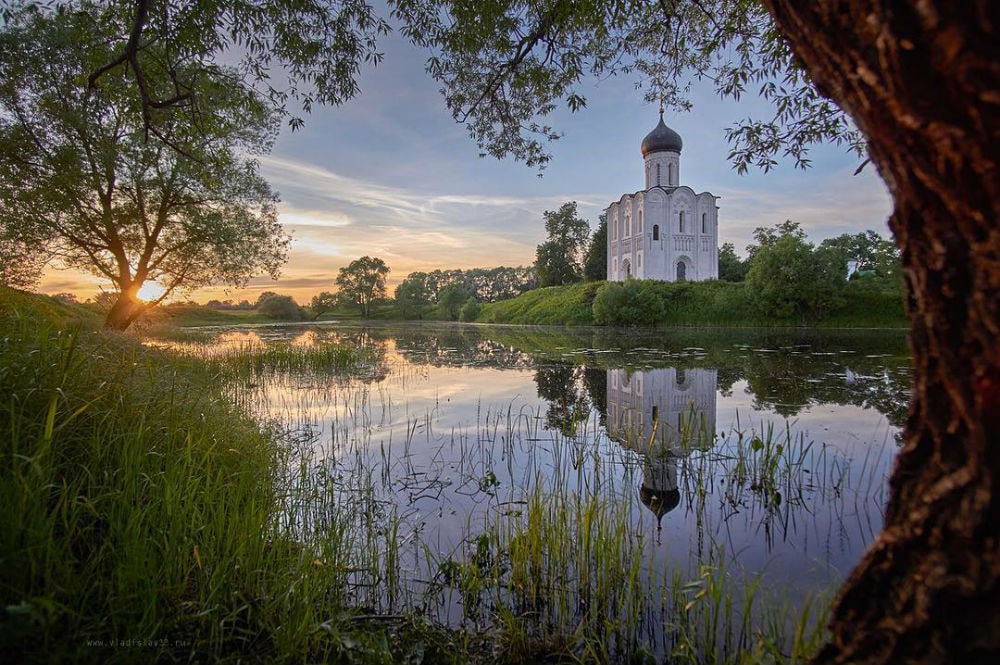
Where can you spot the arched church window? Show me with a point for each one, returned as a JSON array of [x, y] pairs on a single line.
[[670, 174], [627, 268], [657, 174], [681, 377], [640, 220], [704, 218], [681, 271], [656, 231], [681, 220]]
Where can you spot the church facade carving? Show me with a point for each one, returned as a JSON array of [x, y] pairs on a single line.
[[667, 231]]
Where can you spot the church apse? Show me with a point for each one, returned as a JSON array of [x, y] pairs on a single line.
[[661, 414]]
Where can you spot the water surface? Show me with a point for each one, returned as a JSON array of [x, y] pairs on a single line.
[[760, 452]]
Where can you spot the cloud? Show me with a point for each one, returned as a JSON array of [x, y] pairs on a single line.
[[334, 216], [826, 205]]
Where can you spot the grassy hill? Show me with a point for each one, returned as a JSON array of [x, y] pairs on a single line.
[[696, 303], [554, 305]]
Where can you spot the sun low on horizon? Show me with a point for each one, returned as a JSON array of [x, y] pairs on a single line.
[[150, 291]]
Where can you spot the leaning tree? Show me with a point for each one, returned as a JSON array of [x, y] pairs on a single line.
[[81, 180], [920, 80]]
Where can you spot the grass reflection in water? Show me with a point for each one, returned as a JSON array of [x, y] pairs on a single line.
[[577, 500]]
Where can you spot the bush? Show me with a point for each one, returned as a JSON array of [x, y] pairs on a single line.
[[451, 299], [471, 309], [634, 302], [281, 308]]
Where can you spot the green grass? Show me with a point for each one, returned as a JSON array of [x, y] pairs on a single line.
[[144, 518], [139, 513], [19, 305], [555, 305], [712, 302]]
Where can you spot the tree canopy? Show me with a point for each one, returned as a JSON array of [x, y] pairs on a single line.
[[504, 67], [451, 299], [322, 303], [362, 282], [559, 260], [420, 289], [731, 267], [280, 307], [595, 263], [411, 297], [789, 276], [83, 182], [871, 252], [21, 262], [297, 53]]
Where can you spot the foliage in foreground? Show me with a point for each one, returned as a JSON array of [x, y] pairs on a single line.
[[146, 518], [94, 191], [138, 512]]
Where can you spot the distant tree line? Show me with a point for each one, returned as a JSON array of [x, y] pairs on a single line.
[[361, 288], [784, 277], [458, 293]]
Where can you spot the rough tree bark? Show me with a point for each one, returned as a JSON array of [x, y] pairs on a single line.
[[124, 312], [919, 77]]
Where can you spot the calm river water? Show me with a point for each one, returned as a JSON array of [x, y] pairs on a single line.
[[763, 452]]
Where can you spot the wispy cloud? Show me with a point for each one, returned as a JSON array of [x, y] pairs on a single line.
[[335, 218], [825, 206]]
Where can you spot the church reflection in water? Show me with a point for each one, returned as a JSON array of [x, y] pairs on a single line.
[[661, 414]]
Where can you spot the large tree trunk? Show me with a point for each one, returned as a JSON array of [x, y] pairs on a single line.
[[125, 310], [920, 80]]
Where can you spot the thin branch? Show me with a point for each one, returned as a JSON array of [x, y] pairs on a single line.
[[130, 57], [523, 49]]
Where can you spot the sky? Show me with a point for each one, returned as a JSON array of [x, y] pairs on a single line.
[[390, 174]]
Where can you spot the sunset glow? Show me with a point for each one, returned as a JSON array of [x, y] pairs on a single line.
[[404, 183], [150, 291]]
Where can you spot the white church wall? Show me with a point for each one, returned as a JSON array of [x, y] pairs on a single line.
[[663, 169], [651, 230], [681, 401]]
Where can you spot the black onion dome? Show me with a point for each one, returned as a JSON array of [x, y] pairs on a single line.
[[661, 139], [660, 502]]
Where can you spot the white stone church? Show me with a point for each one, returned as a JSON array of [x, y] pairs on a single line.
[[666, 231]]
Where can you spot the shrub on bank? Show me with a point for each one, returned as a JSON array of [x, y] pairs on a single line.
[[634, 302], [470, 310], [280, 308]]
